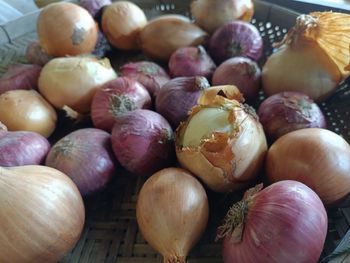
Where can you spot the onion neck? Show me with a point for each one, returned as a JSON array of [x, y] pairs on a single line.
[[174, 259]]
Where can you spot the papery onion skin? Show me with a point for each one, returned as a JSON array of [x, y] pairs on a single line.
[[288, 111], [143, 142], [222, 143], [172, 213], [73, 81], [66, 29], [42, 214], [86, 156], [122, 22], [236, 38], [151, 75], [191, 61], [22, 148], [285, 222], [27, 110], [115, 98], [178, 96], [210, 15], [20, 76], [316, 157], [242, 72]]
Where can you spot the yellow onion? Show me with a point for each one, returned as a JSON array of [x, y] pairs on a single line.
[[223, 143], [167, 33], [73, 81], [312, 56], [42, 214], [66, 29], [122, 22], [210, 15]]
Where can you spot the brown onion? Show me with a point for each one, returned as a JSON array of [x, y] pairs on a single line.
[[42, 214], [148, 73], [66, 29], [143, 142], [27, 110], [115, 98], [316, 157], [172, 213], [285, 222], [122, 22], [222, 143], [22, 148]]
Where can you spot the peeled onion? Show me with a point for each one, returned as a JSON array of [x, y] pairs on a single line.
[[172, 213], [66, 29]]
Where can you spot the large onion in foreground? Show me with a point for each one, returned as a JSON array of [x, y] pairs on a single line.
[[223, 143]]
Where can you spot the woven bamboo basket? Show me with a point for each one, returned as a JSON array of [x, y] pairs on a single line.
[[111, 233]]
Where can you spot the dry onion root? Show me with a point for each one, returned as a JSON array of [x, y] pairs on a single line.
[[312, 58]]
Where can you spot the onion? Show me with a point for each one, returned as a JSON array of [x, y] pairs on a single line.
[[233, 39], [115, 98], [241, 72], [143, 142], [122, 22], [73, 81], [20, 76], [22, 148], [167, 33], [86, 156], [285, 222], [42, 214], [27, 110], [94, 6], [316, 157], [35, 55], [288, 111], [66, 29], [151, 75], [172, 213], [210, 15], [222, 143], [191, 61]]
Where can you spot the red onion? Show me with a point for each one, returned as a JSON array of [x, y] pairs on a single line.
[[19, 148], [288, 111], [94, 6], [102, 46], [35, 54], [178, 96], [241, 72], [20, 76], [236, 38], [115, 98], [143, 142], [148, 73], [285, 222], [86, 156], [191, 61]]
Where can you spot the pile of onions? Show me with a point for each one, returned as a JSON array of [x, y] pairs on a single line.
[[86, 156], [42, 214], [191, 61], [66, 29], [172, 213], [210, 15], [122, 22], [316, 157], [312, 57], [151, 75], [242, 72], [143, 142], [22, 148], [27, 110], [285, 222], [223, 143], [233, 39], [288, 111], [73, 81], [115, 98]]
